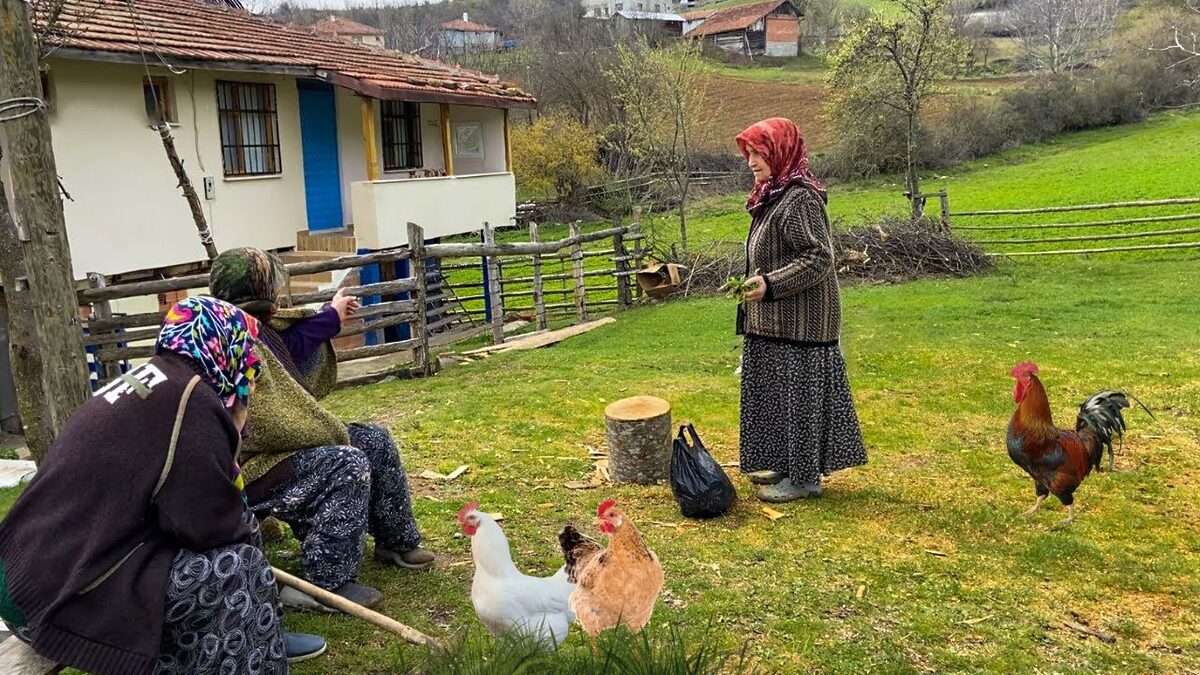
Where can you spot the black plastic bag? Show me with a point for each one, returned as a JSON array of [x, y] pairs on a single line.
[[701, 487]]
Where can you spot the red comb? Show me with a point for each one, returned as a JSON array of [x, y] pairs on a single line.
[[1024, 368], [604, 506], [462, 514]]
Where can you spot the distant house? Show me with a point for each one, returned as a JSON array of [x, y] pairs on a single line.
[[465, 36], [607, 9], [665, 24], [769, 28], [350, 31], [292, 140]]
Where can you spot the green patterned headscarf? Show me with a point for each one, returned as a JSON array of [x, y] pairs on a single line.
[[249, 278]]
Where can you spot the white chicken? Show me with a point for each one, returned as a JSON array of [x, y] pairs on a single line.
[[506, 600]]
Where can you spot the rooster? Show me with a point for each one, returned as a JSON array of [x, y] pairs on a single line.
[[506, 600], [615, 586], [1057, 459]]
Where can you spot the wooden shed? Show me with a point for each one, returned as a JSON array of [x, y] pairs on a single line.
[[769, 28]]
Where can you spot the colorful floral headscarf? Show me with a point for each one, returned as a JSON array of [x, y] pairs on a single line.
[[219, 337], [779, 142]]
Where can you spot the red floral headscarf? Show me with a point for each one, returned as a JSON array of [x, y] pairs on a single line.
[[779, 142]]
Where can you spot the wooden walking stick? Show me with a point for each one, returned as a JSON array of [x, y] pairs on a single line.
[[389, 624]]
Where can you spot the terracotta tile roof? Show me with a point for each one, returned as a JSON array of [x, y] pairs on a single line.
[[468, 26], [194, 34], [735, 18], [697, 14], [336, 25]]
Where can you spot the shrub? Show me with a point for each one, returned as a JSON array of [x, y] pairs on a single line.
[[554, 157]]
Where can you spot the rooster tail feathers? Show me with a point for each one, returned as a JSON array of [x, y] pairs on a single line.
[[1101, 415], [575, 547]]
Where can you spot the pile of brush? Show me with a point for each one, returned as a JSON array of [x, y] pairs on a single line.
[[897, 249]]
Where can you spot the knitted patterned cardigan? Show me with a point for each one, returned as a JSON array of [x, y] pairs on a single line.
[[285, 414]]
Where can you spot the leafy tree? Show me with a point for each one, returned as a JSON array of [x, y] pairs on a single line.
[[554, 156]]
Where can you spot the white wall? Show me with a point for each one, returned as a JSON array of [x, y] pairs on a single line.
[[128, 213], [492, 121], [442, 206]]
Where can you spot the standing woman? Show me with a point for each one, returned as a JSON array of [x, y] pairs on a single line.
[[132, 551], [797, 418]]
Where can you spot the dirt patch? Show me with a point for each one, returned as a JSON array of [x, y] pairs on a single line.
[[740, 103]]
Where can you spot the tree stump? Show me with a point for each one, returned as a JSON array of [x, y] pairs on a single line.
[[638, 431]]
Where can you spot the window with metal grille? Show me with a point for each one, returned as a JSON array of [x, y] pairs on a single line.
[[401, 135], [249, 124]]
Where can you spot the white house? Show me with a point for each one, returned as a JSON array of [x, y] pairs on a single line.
[[466, 36], [289, 137]]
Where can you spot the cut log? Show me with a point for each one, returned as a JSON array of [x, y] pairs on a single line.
[[638, 431]]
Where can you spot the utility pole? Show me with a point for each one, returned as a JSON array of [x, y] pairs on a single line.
[[46, 342]]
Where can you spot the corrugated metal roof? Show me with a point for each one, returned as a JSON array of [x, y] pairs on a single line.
[[736, 18], [649, 16], [193, 32]]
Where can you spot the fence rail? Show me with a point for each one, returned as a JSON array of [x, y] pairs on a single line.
[[439, 292], [1032, 231]]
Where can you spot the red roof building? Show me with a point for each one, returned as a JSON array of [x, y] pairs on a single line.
[[352, 31], [769, 28]]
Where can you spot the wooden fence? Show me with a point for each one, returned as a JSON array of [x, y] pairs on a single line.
[[418, 300], [1139, 215]]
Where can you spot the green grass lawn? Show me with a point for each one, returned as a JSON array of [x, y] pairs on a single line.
[[928, 362]]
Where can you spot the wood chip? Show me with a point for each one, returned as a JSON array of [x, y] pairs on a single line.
[[772, 513], [457, 472], [497, 516], [444, 477], [936, 552], [861, 593], [1088, 631], [977, 621], [662, 524]]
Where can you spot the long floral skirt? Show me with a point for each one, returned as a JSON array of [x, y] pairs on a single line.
[[797, 414]]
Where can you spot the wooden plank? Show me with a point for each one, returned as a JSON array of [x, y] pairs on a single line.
[[496, 297], [1079, 207], [1091, 237], [447, 147], [1097, 223], [370, 149], [1083, 251], [375, 350], [419, 328], [379, 324], [577, 272], [512, 248], [18, 658], [539, 290], [539, 340]]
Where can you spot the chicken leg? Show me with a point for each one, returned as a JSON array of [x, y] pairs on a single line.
[[1036, 507], [1070, 515]]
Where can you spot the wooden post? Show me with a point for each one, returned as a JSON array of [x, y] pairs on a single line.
[[635, 231], [189, 190], [622, 265], [447, 147], [101, 310], [46, 338], [945, 200], [577, 272], [420, 325], [539, 295], [508, 165], [493, 290], [370, 149]]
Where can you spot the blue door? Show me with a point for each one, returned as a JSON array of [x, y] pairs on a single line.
[[318, 135]]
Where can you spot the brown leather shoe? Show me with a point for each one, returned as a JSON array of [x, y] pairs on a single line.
[[415, 559]]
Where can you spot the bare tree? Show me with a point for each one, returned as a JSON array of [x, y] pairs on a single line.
[[664, 101], [1056, 34], [1185, 44], [895, 63]]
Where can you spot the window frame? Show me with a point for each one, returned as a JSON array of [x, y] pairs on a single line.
[[260, 121], [164, 93], [398, 154]]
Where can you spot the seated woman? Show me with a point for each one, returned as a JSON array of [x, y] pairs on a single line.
[[332, 483], [132, 550]]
